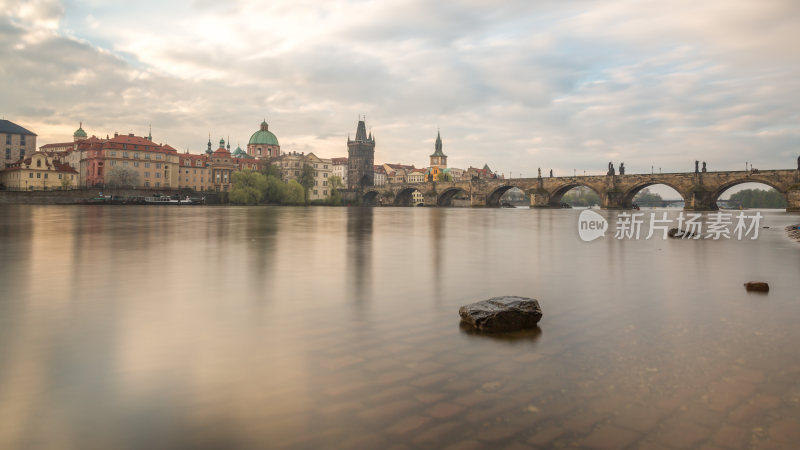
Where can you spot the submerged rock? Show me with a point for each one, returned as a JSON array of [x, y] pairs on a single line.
[[757, 286], [502, 314], [677, 233]]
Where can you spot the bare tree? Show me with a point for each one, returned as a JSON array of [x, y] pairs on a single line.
[[121, 176]]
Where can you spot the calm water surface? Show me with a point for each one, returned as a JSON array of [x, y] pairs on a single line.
[[152, 327]]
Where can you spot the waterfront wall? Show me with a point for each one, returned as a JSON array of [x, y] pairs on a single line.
[[77, 196]]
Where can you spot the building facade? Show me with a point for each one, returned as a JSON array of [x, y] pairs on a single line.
[[340, 169], [221, 167], [379, 175], [39, 171], [361, 159], [17, 143], [156, 165], [323, 170]]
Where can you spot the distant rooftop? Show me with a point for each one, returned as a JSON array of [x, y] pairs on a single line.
[[12, 128]]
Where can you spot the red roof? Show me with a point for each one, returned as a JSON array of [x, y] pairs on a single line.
[[222, 152], [379, 169], [339, 161], [117, 142], [400, 166], [56, 145]]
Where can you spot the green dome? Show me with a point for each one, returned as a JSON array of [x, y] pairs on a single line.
[[239, 153], [263, 136], [79, 132]]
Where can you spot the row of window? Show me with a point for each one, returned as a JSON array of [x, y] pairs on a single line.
[[113, 154], [21, 153], [136, 164], [39, 175], [21, 139], [324, 166], [324, 192]]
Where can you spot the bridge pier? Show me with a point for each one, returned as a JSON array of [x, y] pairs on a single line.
[[700, 200], [793, 199]]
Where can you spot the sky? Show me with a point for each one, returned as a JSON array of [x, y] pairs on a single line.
[[562, 85]]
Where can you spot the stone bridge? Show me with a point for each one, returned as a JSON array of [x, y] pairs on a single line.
[[699, 190]]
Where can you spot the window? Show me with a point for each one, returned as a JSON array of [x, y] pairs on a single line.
[[146, 183], [315, 182], [8, 153], [147, 165], [59, 176], [136, 155], [147, 156], [8, 139], [315, 165], [136, 164], [38, 163], [158, 174], [315, 192], [124, 163], [124, 154], [325, 183], [325, 192], [124, 147], [21, 153], [147, 174], [325, 175], [325, 166], [113, 163], [114, 154], [158, 184], [38, 175], [22, 140], [158, 156], [30, 174], [45, 176]]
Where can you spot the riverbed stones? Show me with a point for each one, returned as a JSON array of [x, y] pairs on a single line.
[[756, 286], [501, 314]]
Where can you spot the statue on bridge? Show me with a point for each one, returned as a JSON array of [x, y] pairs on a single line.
[[704, 167], [551, 173], [610, 169], [540, 172], [798, 163], [622, 168], [696, 166]]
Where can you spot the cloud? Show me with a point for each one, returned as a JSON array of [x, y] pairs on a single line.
[[521, 85]]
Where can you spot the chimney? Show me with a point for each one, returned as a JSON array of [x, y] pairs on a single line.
[[116, 134], [130, 134]]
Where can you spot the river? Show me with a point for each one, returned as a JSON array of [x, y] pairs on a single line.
[[280, 327]]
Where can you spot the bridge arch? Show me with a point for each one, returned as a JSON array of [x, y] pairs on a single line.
[[493, 199], [627, 197], [370, 198], [446, 197], [558, 193], [717, 193], [404, 197]]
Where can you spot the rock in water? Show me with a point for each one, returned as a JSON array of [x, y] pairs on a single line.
[[502, 314], [757, 286]]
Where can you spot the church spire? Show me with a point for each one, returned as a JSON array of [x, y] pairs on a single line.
[[150, 133]]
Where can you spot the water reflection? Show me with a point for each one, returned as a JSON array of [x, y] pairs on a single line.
[[359, 252], [131, 327]]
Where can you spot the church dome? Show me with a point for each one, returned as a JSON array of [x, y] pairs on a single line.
[[263, 136], [79, 133]]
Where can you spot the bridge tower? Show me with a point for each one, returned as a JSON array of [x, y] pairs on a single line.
[[361, 158]]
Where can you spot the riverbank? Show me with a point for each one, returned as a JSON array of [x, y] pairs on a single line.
[[80, 196]]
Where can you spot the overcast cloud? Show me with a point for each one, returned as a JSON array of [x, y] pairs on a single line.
[[517, 84]]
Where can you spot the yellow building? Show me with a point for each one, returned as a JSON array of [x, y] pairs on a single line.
[[39, 172]]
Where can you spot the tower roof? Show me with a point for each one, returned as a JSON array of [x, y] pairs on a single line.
[[79, 132], [438, 146]]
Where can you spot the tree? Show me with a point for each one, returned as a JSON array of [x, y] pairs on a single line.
[[248, 187], [271, 170], [759, 198], [295, 194], [444, 176], [335, 183], [275, 190], [645, 196], [66, 182], [581, 197], [122, 176], [306, 180]]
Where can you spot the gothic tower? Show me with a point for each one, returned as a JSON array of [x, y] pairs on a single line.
[[438, 159], [361, 158]]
